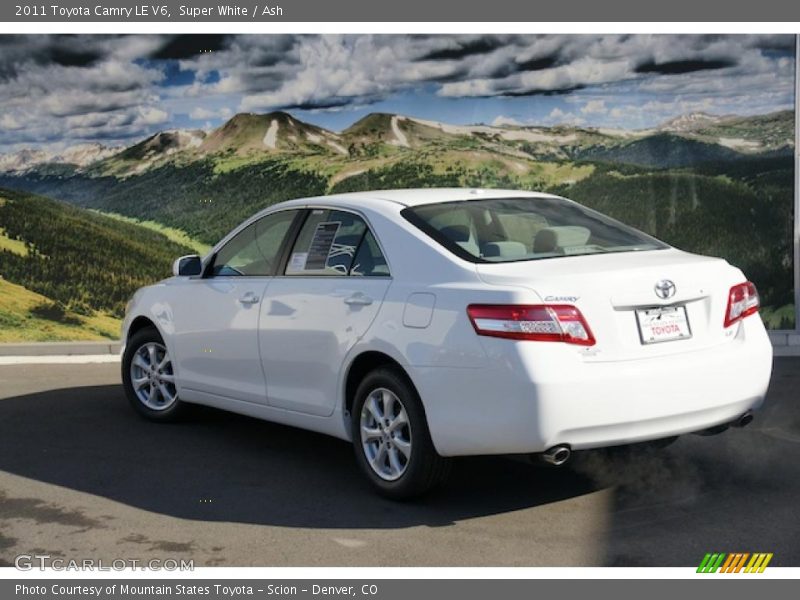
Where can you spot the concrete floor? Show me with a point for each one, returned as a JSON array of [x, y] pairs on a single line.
[[81, 476]]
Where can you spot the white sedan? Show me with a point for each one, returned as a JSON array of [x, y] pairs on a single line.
[[433, 323]]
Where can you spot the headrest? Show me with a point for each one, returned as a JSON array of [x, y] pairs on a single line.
[[510, 249], [553, 238], [456, 233]]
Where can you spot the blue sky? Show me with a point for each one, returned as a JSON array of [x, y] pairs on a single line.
[[57, 91]]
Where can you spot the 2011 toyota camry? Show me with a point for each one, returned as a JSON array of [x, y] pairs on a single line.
[[434, 323]]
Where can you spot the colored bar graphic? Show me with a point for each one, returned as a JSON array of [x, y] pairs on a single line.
[[759, 558], [703, 563], [726, 567], [734, 562], [741, 562], [759, 562], [765, 563], [711, 562], [718, 563]]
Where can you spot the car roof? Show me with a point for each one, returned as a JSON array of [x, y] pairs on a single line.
[[414, 197], [378, 199]]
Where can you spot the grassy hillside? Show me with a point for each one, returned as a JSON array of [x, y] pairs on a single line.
[[81, 264], [26, 316], [770, 131], [662, 151], [247, 134], [193, 198], [152, 151], [171, 233]]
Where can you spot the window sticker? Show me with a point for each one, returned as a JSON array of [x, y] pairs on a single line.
[[297, 262], [320, 247]]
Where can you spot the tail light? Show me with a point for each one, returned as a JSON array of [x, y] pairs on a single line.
[[742, 302], [537, 322]]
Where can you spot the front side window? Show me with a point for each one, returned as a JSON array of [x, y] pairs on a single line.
[[255, 250], [517, 229], [334, 242]]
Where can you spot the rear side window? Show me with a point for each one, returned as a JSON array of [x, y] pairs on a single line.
[[369, 260], [518, 229], [335, 243]]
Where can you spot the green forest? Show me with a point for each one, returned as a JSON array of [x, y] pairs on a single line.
[[83, 262], [191, 197]]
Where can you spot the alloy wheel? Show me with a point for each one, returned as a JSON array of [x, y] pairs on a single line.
[[385, 434], [152, 377]]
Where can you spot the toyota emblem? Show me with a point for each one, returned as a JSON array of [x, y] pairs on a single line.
[[665, 289]]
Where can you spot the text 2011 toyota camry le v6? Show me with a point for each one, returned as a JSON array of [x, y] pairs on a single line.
[[428, 324]]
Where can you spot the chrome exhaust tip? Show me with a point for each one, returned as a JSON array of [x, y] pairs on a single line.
[[557, 455], [744, 420]]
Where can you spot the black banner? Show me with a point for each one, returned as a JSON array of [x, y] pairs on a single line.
[[409, 11], [395, 589]]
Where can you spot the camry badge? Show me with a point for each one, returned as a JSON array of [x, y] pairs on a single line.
[[665, 289]]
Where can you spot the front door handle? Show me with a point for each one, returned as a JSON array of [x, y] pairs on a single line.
[[358, 299], [249, 298]]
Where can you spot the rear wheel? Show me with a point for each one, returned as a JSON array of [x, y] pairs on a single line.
[[148, 377], [391, 439]]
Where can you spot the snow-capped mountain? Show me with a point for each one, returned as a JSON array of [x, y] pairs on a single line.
[[691, 122], [80, 155]]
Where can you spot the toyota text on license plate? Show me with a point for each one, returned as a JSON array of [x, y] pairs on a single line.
[[663, 324]]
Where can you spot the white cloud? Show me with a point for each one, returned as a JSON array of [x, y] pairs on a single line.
[[594, 107], [560, 117], [152, 116], [8, 121], [66, 89], [201, 113]]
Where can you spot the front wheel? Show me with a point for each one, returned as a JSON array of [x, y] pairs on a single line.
[[391, 439], [148, 377]]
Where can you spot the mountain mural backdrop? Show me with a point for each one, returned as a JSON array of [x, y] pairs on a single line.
[[719, 185]]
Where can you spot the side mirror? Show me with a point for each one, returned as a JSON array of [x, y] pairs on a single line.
[[187, 266]]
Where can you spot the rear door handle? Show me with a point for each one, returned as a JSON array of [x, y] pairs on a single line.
[[249, 298], [358, 299]]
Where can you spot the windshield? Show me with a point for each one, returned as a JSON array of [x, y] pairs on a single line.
[[515, 229]]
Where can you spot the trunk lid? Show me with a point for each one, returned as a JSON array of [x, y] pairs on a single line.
[[611, 290]]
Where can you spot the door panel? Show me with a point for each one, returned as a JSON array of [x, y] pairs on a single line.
[[308, 325], [336, 279], [216, 340], [216, 317]]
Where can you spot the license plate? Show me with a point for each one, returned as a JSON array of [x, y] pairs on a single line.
[[663, 324]]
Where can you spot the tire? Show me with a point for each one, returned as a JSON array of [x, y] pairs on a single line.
[[157, 398], [406, 462]]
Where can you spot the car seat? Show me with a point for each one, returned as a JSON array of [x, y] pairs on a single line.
[[553, 240], [461, 235]]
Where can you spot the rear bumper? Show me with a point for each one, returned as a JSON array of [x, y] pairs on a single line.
[[639, 407], [532, 396]]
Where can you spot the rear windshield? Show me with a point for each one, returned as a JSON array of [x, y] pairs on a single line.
[[516, 229]]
